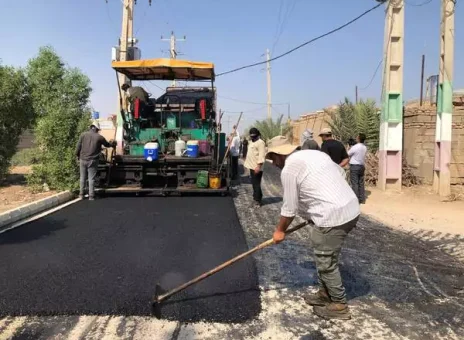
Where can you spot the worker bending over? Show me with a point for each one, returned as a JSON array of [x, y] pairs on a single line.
[[315, 188], [135, 92], [88, 152]]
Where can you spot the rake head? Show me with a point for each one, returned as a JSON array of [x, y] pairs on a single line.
[[156, 303]]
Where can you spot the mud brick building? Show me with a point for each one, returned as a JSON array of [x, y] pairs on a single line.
[[419, 141]]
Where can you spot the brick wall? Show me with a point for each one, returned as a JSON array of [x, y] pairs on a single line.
[[316, 122], [419, 142]]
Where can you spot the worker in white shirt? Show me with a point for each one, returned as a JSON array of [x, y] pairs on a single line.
[[235, 152], [357, 154], [314, 188]]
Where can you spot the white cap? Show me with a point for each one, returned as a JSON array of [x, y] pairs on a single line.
[[96, 124]]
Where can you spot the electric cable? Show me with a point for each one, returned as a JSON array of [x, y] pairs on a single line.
[[248, 102], [305, 43]]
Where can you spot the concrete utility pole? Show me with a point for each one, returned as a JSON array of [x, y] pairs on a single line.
[[127, 39], [268, 71], [422, 81], [391, 121], [443, 131], [126, 35], [172, 50]]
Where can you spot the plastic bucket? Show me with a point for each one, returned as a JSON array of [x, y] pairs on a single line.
[[214, 180], [192, 149], [202, 179], [171, 122], [150, 151]]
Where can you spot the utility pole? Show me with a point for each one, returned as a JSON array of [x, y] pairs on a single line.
[[391, 121], [443, 130], [172, 50], [126, 35], [422, 81], [356, 93], [268, 71]]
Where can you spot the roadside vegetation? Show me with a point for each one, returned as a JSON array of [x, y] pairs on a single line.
[[271, 128], [52, 99], [350, 119]]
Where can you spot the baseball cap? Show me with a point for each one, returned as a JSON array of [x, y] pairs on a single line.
[[325, 131], [281, 146]]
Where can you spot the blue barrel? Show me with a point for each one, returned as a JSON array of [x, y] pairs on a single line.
[[150, 151], [192, 148], [95, 115]]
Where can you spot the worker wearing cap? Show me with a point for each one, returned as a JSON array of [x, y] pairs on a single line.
[[334, 148], [135, 92], [307, 141], [254, 161], [88, 152], [314, 187]]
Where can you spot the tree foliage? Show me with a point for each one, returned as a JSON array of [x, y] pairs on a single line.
[[270, 128], [349, 119], [60, 98], [16, 113]]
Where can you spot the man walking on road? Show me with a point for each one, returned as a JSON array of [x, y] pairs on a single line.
[[255, 159], [235, 152], [88, 153], [357, 155], [314, 187], [334, 148]]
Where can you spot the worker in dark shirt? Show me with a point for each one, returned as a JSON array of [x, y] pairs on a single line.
[[335, 149], [88, 153], [135, 92]]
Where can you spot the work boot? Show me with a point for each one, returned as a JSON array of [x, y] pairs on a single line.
[[333, 310], [91, 198], [321, 298]]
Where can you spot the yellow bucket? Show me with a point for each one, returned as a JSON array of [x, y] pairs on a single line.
[[214, 180]]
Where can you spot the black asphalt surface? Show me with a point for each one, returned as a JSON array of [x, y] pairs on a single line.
[[105, 257]]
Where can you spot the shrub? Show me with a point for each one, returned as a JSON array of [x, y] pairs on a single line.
[[16, 113]]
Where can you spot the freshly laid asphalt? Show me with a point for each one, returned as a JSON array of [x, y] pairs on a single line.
[[105, 257]]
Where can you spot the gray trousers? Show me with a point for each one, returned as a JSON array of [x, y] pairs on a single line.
[[327, 243], [88, 170], [357, 181]]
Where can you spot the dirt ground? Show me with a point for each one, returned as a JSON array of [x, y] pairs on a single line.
[[416, 208], [14, 192]]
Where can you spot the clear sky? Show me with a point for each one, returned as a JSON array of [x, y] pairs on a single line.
[[232, 34]]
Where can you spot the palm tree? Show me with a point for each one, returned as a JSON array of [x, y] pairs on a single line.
[[349, 119], [270, 128]]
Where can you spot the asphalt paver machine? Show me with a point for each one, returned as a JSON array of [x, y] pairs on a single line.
[[172, 143]]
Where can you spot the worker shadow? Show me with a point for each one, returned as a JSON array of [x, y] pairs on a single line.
[[41, 228], [271, 200]]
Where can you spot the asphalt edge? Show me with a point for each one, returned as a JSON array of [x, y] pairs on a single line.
[[12, 216]]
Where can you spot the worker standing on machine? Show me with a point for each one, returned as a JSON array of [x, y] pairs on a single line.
[[314, 187], [255, 159], [135, 92], [88, 152]]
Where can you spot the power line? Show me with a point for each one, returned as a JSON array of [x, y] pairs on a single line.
[[373, 76], [418, 5], [248, 102], [306, 43]]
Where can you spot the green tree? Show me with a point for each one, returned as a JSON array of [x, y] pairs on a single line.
[[349, 119], [60, 100], [270, 128], [16, 113]]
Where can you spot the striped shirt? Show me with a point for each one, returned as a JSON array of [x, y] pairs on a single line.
[[315, 188]]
